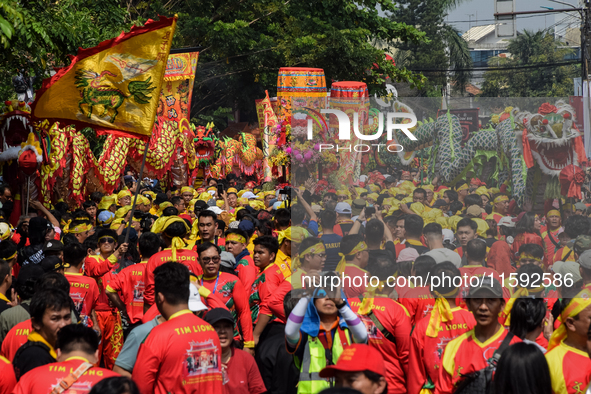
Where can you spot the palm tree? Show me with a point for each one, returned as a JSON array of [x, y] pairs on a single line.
[[447, 50]]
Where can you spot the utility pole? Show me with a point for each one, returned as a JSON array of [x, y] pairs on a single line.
[[585, 39]]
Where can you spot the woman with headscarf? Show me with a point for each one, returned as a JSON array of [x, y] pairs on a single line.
[[322, 323]]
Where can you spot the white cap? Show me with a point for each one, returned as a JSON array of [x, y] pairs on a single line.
[[215, 209], [343, 208], [506, 221], [195, 303], [249, 195], [448, 235]]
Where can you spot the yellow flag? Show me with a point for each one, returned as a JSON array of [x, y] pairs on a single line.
[[113, 87]]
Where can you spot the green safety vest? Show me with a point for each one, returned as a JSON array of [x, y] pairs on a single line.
[[315, 360]]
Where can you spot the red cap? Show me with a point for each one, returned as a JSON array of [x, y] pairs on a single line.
[[185, 216], [357, 358]]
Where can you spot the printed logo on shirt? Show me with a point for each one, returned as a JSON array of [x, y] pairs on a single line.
[[201, 359], [577, 387], [77, 387], [78, 301], [138, 291], [372, 330], [441, 346]]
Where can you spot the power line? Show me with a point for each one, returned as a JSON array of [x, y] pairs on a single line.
[[496, 68], [494, 20]]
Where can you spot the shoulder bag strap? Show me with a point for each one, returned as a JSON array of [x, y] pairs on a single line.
[[69, 380], [504, 345], [556, 244], [387, 334]]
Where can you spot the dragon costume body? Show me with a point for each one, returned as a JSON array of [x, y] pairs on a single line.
[[60, 165]]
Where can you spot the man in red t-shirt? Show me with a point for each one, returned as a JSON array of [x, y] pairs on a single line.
[[567, 356], [7, 378], [392, 339], [476, 259], [239, 369], [183, 354], [16, 337], [269, 277], [471, 351], [228, 287], [418, 300], [84, 291], [356, 255], [126, 291], [245, 268], [172, 229], [432, 333], [77, 350], [103, 268]]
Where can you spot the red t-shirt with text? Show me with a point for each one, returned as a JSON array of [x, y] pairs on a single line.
[[184, 256], [181, 355], [85, 293], [15, 338], [129, 283], [43, 379]]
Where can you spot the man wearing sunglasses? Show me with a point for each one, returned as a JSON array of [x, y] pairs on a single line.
[[229, 288], [102, 268]]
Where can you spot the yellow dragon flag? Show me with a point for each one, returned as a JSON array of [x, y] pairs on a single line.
[[114, 87]]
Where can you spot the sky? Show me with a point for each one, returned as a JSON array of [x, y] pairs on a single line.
[[481, 12]]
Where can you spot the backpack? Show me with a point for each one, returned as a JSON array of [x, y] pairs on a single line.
[[480, 382]]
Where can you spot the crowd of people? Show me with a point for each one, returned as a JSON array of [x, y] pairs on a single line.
[[237, 287]]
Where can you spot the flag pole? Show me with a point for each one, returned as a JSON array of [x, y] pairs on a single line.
[[137, 190]]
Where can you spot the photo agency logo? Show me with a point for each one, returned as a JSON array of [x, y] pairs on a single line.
[[365, 142]]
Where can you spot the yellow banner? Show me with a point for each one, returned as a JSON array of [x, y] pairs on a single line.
[[113, 87]]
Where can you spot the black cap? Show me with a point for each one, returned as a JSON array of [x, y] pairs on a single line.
[[128, 178], [160, 198], [216, 314], [200, 204], [53, 246], [439, 203], [38, 224], [29, 272], [486, 287], [51, 263]]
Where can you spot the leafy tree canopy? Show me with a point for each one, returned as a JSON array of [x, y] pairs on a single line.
[[244, 42], [445, 50], [536, 49]]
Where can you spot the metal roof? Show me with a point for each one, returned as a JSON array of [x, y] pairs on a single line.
[[478, 32]]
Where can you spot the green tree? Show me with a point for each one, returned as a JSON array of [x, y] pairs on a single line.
[[531, 48], [246, 42], [38, 35], [445, 50]]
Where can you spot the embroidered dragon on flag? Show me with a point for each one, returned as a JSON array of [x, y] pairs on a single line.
[[95, 92]]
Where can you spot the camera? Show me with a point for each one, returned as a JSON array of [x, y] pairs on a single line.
[[286, 190]]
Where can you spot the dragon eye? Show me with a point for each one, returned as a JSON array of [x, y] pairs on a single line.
[[195, 139]]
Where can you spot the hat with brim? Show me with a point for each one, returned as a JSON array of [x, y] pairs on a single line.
[[195, 303], [218, 314], [487, 288], [357, 205], [357, 358]]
